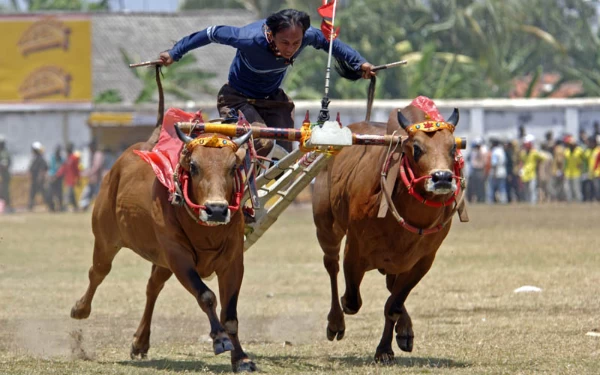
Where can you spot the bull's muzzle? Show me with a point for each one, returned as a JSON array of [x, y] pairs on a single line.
[[217, 212], [441, 182]]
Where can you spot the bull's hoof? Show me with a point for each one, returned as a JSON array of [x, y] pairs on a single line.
[[385, 358], [405, 343], [138, 353], [80, 312], [222, 345], [351, 306], [244, 365], [331, 334]]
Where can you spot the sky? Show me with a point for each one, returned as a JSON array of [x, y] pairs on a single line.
[[133, 5]]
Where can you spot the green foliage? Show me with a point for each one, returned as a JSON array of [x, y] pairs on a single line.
[[460, 48], [109, 96], [261, 7], [72, 5], [181, 80]]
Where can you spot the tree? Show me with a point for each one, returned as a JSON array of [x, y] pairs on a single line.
[[181, 80], [73, 5], [260, 7], [108, 96]]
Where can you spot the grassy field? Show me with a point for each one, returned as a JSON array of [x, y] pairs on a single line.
[[466, 317]]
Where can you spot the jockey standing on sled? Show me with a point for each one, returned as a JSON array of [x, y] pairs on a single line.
[[265, 51]]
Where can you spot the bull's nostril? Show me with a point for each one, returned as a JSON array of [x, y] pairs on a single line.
[[217, 212], [441, 176]]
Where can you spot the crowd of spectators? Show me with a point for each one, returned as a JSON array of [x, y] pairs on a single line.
[[565, 168], [56, 179]]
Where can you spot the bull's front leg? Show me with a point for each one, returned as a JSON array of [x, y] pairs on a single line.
[[395, 313], [183, 265], [230, 282]]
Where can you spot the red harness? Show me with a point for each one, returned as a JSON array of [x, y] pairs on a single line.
[[408, 177], [410, 181], [238, 191], [182, 178]]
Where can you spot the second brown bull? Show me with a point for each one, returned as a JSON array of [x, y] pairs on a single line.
[[402, 245]]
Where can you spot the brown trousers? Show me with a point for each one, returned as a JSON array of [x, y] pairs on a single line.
[[276, 111]]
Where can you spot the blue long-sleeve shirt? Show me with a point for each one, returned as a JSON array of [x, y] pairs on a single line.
[[255, 71]]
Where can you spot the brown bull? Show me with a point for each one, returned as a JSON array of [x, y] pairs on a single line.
[[346, 201], [133, 210]]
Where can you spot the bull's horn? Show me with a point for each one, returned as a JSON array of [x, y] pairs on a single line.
[[181, 135], [403, 121], [239, 141], [453, 117]]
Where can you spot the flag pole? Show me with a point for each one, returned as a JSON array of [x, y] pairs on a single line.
[[324, 113]]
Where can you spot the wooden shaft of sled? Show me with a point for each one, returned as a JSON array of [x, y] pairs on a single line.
[[233, 130], [146, 63], [285, 199], [390, 65]]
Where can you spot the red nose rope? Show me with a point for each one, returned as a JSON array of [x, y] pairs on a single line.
[[195, 209], [182, 178], [410, 182]]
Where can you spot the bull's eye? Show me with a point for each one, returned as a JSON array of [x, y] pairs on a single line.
[[233, 170], [194, 170], [453, 151], [417, 152]]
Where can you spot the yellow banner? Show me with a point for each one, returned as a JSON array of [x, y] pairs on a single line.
[[45, 59]]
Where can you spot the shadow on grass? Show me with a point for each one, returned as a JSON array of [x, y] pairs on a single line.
[[293, 362], [177, 365], [349, 361], [427, 362]]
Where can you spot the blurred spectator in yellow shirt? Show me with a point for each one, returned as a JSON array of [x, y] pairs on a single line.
[[595, 167], [574, 159], [529, 159]]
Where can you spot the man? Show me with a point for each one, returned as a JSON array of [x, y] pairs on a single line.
[[70, 172], [530, 158], [94, 175], [595, 167], [55, 195], [37, 174], [5, 162], [573, 169], [497, 172], [265, 51], [476, 182]]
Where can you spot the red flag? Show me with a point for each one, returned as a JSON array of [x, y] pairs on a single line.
[[326, 11]]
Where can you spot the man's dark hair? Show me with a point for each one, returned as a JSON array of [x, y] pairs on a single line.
[[284, 19]]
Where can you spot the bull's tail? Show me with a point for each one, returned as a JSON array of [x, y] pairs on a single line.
[[153, 140], [346, 71]]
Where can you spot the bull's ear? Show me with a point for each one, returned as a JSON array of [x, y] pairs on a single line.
[[454, 117], [240, 154], [403, 121]]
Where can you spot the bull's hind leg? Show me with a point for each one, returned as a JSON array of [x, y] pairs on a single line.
[[330, 240], [395, 313], [353, 274], [101, 265], [141, 341]]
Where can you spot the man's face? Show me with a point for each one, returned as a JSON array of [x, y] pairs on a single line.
[[288, 41]]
